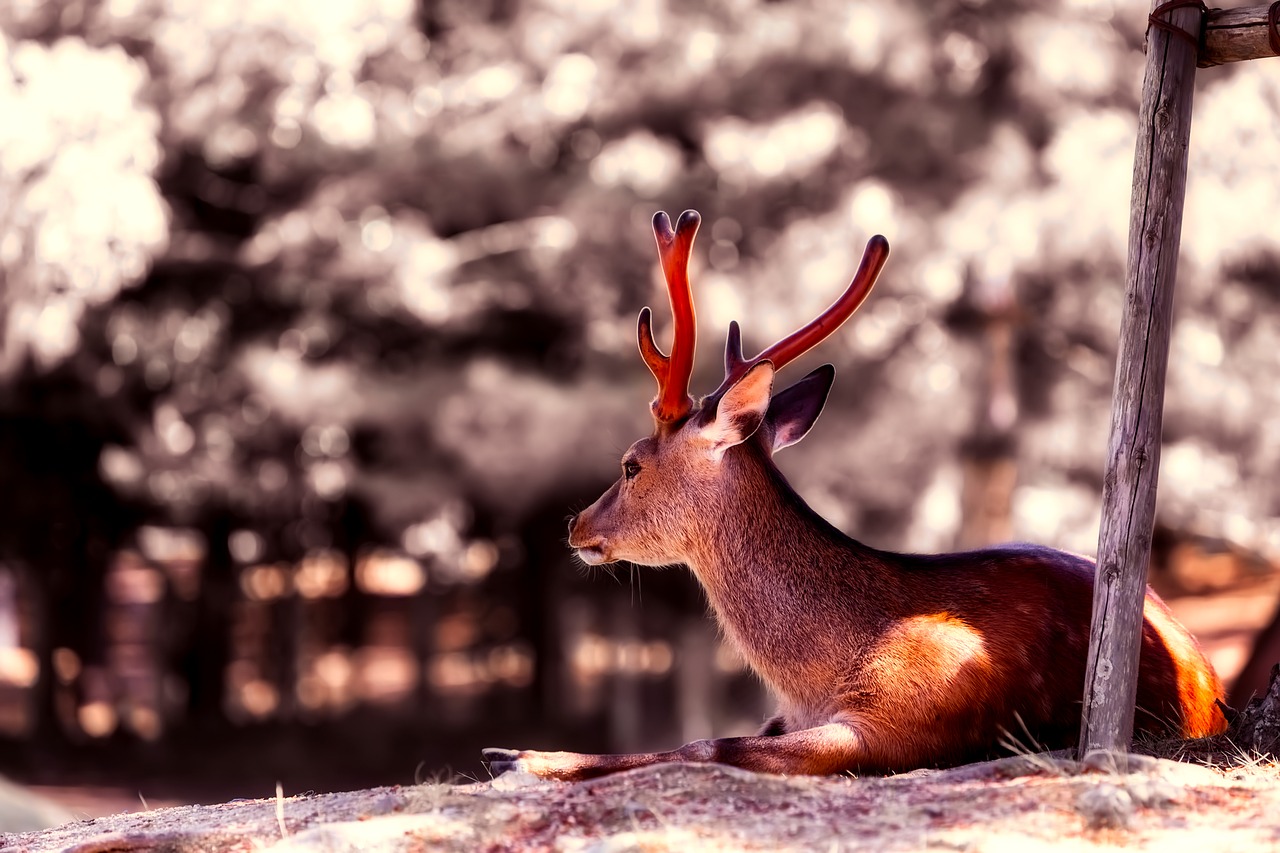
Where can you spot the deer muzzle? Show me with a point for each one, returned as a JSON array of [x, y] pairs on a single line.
[[589, 547]]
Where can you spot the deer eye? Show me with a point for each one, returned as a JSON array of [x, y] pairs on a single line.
[[630, 468]]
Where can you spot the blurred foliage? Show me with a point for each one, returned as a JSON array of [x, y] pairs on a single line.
[[270, 261]]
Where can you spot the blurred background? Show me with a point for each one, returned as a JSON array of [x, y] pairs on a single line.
[[317, 321]]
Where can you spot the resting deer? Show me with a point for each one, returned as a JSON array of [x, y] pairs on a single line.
[[879, 661]]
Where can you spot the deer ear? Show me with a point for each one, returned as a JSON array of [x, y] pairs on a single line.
[[793, 412], [740, 410]]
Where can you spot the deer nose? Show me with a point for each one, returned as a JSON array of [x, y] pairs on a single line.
[[575, 530]]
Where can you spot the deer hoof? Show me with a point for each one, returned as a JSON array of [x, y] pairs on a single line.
[[499, 761]]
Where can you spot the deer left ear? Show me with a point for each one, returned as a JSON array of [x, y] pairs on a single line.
[[793, 412]]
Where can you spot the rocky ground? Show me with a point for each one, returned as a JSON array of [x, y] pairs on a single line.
[[1026, 803]]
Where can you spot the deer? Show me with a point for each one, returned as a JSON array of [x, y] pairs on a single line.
[[880, 662]]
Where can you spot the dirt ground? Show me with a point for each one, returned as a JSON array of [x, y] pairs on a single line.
[[1028, 804]]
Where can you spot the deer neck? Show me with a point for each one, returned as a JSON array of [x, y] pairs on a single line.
[[780, 579]]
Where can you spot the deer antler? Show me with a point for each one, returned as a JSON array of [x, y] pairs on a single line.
[[672, 372], [823, 326]]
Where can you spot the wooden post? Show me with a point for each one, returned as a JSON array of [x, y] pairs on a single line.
[[1133, 452], [1235, 35]]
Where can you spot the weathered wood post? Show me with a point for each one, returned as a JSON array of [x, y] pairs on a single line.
[[1175, 46], [1236, 35], [1133, 452]]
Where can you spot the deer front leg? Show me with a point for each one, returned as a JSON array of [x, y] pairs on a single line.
[[825, 749], [569, 766]]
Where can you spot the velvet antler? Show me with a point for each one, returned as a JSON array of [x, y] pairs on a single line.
[[672, 372], [801, 341]]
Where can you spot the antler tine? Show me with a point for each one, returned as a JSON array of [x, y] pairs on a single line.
[[649, 351], [733, 360], [819, 329], [673, 372]]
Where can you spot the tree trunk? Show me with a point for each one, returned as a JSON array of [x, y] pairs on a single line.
[[205, 664], [989, 455]]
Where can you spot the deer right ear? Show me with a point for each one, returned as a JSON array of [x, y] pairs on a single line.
[[793, 412], [740, 410]]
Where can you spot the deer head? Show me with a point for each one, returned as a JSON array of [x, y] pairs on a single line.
[[675, 482]]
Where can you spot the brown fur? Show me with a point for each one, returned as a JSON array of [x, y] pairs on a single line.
[[879, 661]]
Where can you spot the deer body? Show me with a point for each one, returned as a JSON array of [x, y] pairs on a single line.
[[879, 661]]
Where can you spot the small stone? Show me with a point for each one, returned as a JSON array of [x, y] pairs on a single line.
[[1154, 792], [1105, 806]]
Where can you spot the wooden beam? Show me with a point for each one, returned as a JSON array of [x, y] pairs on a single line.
[[1235, 35], [1133, 453]]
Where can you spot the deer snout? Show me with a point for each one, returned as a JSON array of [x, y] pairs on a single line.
[[589, 547]]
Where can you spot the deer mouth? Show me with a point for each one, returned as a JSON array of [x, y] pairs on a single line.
[[592, 555]]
